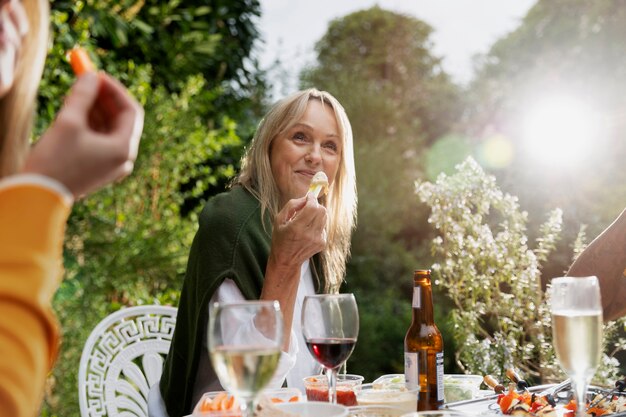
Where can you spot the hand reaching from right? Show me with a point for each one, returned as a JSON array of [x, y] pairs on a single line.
[[94, 139]]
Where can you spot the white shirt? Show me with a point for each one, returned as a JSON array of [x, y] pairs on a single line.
[[297, 363]]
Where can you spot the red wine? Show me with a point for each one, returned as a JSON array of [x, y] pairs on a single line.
[[331, 352]]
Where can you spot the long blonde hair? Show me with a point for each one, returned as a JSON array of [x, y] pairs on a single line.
[[341, 201], [17, 106]]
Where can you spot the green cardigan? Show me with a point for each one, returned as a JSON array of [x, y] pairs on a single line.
[[230, 243]]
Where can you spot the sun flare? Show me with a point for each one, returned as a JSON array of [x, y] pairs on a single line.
[[559, 131]]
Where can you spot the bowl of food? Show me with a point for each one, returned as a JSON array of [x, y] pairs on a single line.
[[400, 396], [317, 388], [375, 411], [282, 395], [389, 380], [217, 404], [460, 387], [436, 413], [313, 409]]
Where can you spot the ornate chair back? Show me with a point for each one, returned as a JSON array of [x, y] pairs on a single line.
[[122, 358]]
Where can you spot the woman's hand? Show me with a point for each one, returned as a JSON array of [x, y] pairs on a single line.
[[94, 139], [299, 232]]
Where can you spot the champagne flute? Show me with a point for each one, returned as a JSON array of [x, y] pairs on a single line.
[[330, 324], [245, 340], [577, 331]]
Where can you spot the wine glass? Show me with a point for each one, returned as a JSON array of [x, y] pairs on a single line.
[[577, 331], [330, 324], [245, 340]]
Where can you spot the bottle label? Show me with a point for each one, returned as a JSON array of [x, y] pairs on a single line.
[[411, 369], [417, 297], [440, 376]]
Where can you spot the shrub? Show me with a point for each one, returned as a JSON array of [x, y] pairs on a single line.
[[501, 317]]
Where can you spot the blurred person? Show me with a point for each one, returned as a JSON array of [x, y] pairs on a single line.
[[605, 257], [76, 156], [268, 238]]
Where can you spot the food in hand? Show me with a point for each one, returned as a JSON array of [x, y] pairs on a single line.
[[319, 184], [80, 61]]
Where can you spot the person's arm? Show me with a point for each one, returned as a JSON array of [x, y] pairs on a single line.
[[605, 258], [32, 220], [298, 234], [94, 139], [93, 142]]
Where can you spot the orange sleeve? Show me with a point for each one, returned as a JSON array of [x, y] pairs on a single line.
[[32, 225]]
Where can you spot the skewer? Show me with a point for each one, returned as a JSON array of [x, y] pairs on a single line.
[[493, 383], [620, 385], [514, 376], [549, 393]]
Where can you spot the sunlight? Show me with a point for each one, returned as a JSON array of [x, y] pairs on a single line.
[[496, 151], [559, 131]]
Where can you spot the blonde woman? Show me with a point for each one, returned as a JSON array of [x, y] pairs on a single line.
[[268, 238], [37, 188]]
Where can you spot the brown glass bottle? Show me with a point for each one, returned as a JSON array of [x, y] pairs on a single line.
[[423, 346]]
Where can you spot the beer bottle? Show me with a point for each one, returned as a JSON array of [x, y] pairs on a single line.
[[423, 347]]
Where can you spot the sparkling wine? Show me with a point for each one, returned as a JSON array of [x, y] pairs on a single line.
[[245, 370], [331, 352], [578, 340]]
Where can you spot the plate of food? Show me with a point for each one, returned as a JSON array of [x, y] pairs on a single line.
[[554, 400]]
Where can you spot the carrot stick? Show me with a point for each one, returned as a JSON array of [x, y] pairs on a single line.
[[206, 405], [228, 403], [217, 401], [80, 62]]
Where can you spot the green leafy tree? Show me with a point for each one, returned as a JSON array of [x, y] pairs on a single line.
[[128, 244], [501, 317], [380, 66]]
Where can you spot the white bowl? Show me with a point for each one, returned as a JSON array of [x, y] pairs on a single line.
[[401, 396], [314, 409]]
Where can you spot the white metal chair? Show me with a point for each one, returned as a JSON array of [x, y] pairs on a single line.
[[122, 358]]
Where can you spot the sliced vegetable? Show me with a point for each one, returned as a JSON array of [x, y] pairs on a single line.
[[80, 61], [221, 402]]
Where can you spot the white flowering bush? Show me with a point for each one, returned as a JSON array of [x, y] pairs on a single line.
[[485, 265]]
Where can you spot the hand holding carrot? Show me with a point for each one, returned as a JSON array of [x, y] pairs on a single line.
[[94, 139]]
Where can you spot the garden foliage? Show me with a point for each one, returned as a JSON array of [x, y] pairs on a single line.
[[128, 244], [488, 268]]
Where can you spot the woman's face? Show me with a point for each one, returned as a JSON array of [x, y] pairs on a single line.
[[311, 145], [13, 27]]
